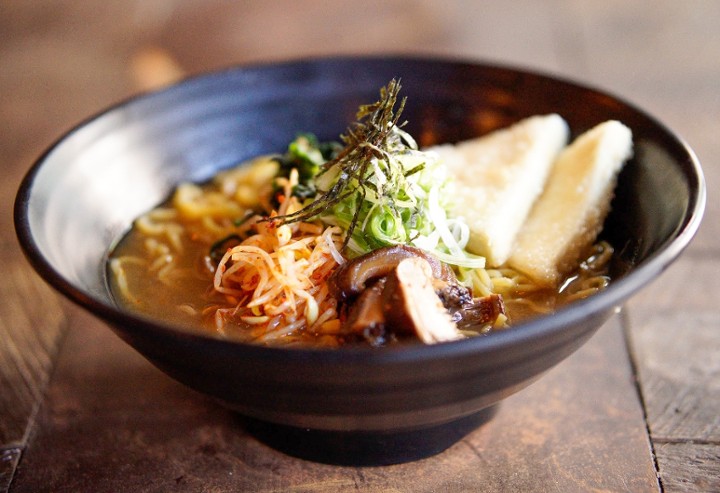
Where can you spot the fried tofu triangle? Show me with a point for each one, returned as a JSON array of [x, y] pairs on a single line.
[[498, 178], [569, 214]]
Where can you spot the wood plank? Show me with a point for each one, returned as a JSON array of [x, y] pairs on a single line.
[[673, 328], [679, 375], [689, 467], [112, 422], [31, 323], [674, 332]]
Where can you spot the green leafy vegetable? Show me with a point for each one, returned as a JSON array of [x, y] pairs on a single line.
[[307, 155], [381, 189]]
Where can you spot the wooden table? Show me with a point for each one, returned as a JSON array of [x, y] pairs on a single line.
[[636, 409]]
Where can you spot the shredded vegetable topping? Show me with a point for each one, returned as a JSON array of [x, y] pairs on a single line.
[[276, 280], [383, 191]]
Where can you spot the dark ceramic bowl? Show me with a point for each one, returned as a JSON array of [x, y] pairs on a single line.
[[356, 405]]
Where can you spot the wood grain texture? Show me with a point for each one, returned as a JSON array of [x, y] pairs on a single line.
[[31, 324], [689, 467], [674, 335], [678, 353], [114, 422]]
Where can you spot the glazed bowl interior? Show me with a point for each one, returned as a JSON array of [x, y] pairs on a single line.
[[83, 194]]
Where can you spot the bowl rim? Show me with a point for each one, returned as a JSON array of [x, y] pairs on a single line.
[[535, 329]]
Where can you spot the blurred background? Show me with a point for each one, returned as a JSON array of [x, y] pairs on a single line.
[[63, 61]]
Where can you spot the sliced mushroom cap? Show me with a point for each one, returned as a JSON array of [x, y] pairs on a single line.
[[412, 305], [479, 312], [400, 292], [366, 318], [452, 294], [352, 278]]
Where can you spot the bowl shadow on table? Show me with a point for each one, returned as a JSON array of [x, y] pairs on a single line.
[[362, 448]]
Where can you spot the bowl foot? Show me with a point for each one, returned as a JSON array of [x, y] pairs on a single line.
[[360, 448]]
